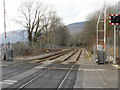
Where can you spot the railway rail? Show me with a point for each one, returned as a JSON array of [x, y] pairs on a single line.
[[27, 81], [42, 58], [64, 72], [29, 65], [66, 75]]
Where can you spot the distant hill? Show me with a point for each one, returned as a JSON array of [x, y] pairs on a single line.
[[21, 35], [14, 36], [75, 28]]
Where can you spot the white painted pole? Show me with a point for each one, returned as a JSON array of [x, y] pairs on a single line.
[[105, 26], [5, 47], [114, 44]]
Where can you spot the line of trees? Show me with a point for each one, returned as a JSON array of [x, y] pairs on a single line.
[[41, 22], [87, 38]]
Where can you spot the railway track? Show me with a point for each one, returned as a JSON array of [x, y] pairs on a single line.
[[31, 79], [66, 75], [57, 54], [65, 72], [14, 67]]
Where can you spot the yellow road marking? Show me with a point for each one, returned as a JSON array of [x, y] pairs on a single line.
[[34, 61], [117, 66], [39, 67]]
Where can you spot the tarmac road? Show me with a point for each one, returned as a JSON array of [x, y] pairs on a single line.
[[85, 74]]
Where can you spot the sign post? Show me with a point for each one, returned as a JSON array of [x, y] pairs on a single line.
[[114, 44], [114, 19]]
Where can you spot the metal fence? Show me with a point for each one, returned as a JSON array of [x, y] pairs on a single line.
[[0, 53], [20, 49], [6, 52]]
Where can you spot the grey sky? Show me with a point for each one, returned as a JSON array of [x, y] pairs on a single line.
[[70, 10]]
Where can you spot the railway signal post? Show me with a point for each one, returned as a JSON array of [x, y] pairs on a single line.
[[114, 19]]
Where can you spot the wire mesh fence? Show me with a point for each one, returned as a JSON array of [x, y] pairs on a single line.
[[24, 49]]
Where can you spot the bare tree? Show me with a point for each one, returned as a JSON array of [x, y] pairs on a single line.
[[31, 17], [39, 19]]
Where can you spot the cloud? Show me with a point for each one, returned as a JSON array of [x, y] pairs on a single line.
[[70, 10]]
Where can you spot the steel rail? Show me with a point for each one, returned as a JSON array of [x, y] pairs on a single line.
[[33, 79], [66, 75], [58, 55]]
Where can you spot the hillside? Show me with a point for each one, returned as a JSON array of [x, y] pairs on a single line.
[[21, 35], [75, 28], [14, 36]]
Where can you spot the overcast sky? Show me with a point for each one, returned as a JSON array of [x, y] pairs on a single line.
[[70, 10]]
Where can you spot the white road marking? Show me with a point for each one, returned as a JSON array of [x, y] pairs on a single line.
[[3, 65], [8, 82], [94, 69]]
